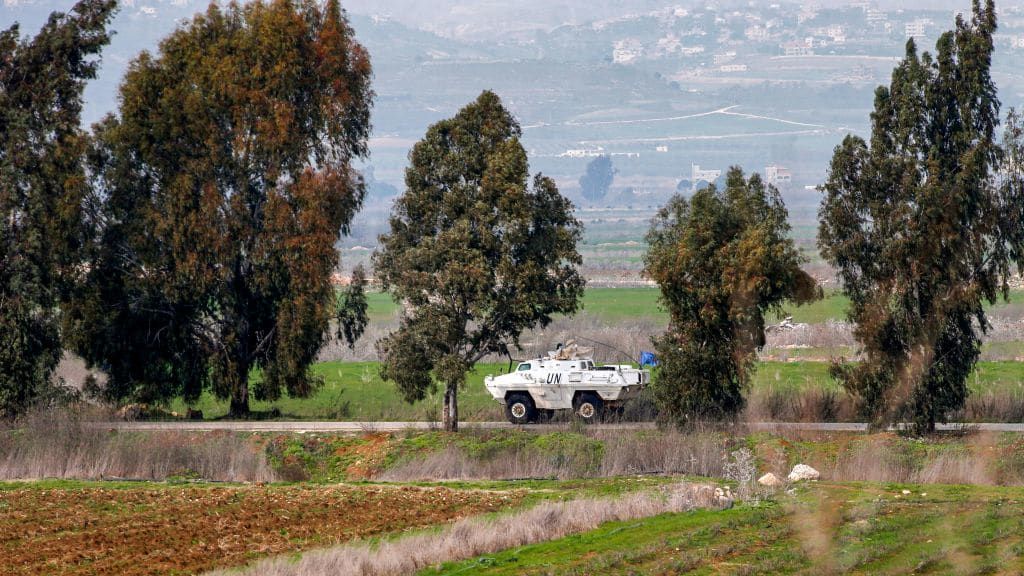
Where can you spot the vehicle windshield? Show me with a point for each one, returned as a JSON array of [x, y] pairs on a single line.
[[524, 367]]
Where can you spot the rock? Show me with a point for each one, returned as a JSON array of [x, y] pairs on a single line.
[[770, 480], [803, 472], [724, 497]]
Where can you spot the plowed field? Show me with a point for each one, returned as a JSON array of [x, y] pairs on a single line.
[[170, 530]]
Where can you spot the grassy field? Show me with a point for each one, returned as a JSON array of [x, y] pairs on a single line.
[[825, 529], [354, 391], [609, 304], [613, 305], [134, 529], [72, 528], [886, 504]]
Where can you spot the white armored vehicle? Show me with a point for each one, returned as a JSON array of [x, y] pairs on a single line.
[[566, 379]]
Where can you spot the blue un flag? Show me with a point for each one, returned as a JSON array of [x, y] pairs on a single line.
[[648, 359]]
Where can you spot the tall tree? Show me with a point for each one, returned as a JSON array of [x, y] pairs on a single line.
[[42, 183], [598, 178], [475, 254], [920, 231], [722, 260], [223, 187]]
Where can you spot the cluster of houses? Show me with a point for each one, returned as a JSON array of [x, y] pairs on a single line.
[[721, 37]]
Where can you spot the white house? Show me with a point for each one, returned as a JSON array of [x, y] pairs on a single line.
[[776, 175], [696, 174]]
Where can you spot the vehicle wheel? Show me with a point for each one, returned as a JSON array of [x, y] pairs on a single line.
[[588, 407], [519, 409]]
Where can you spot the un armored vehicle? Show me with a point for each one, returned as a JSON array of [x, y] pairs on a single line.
[[565, 379]]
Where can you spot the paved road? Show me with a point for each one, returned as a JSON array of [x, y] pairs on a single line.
[[298, 426]]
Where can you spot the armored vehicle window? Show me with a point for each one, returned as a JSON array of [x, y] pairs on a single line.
[[524, 367]]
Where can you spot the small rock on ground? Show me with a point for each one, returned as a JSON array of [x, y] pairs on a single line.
[[803, 472]]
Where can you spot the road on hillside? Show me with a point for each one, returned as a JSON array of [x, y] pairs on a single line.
[[356, 427]]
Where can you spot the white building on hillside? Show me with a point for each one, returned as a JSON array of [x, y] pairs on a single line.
[[917, 29], [777, 175], [696, 174], [797, 49], [626, 51]]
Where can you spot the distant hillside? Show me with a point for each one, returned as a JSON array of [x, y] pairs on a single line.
[[662, 88]]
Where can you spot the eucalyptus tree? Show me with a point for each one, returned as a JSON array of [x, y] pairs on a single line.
[[921, 229], [722, 259], [222, 187], [42, 184], [474, 253]]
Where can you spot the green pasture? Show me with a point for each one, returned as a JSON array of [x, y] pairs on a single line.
[[829, 528], [354, 391], [615, 305]]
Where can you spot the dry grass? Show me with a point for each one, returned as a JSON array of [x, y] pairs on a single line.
[[977, 459], [823, 405], [663, 452], [477, 536], [1005, 406], [878, 464], [629, 336], [452, 463], [618, 454], [60, 444], [804, 405]]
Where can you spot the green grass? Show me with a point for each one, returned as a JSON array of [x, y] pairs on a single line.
[[614, 305], [620, 304], [380, 307], [354, 391], [826, 528]]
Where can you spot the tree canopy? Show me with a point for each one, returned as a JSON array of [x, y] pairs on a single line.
[[921, 231], [42, 184], [221, 190], [474, 253], [597, 180], [722, 259]]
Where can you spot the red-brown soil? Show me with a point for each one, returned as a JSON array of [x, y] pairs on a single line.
[[170, 530]]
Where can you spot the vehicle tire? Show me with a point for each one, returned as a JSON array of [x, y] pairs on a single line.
[[588, 407], [519, 409]]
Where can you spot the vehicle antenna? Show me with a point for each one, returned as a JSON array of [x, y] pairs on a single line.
[[631, 359]]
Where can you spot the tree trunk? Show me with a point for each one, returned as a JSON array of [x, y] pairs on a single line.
[[451, 408], [240, 393]]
